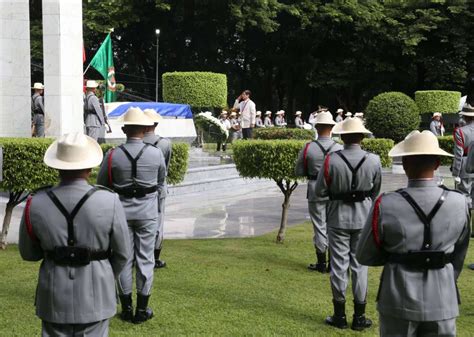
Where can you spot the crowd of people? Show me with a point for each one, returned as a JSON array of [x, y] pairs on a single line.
[[91, 237]]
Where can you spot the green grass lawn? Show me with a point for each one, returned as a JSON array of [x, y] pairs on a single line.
[[224, 287]]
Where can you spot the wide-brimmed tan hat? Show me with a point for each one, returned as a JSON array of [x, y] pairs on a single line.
[[359, 114], [339, 110], [437, 114], [325, 117], [279, 112], [91, 84], [73, 151], [350, 125], [418, 143], [153, 115], [223, 112], [267, 113], [298, 113], [467, 110], [348, 114], [135, 116], [38, 86], [233, 114], [258, 113]]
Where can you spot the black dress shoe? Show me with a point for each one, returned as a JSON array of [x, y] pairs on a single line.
[[360, 323], [319, 267], [160, 264], [338, 320], [143, 313], [127, 308], [471, 266]]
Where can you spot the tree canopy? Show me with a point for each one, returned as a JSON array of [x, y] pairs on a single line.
[[292, 54]]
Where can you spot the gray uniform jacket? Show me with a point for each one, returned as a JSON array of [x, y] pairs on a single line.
[[37, 102], [258, 122], [394, 227], [151, 171], [268, 122], [313, 163], [336, 178], [280, 121], [299, 122], [94, 115], [164, 144], [84, 294], [463, 136], [339, 118], [435, 127]]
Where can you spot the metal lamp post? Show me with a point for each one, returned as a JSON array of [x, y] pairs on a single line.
[[157, 32]]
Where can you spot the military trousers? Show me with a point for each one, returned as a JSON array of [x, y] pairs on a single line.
[[95, 329], [93, 132], [38, 121], [142, 234], [397, 327], [465, 186], [342, 250], [317, 214], [161, 222]]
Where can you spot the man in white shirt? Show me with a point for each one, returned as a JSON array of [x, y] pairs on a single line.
[[248, 113]]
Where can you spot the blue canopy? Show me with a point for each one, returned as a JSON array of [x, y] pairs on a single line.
[[164, 109]]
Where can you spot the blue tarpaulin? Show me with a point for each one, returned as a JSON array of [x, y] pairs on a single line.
[[164, 109]]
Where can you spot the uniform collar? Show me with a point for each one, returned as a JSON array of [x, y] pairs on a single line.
[[422, 183], [352, 147], [150, 133], [324, 138], [134, 141], [78, 181]]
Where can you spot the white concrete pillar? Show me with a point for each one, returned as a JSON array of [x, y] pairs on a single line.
[[62, 52], [15, 78]]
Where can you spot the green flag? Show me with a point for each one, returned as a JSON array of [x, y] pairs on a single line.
[[103, 62]]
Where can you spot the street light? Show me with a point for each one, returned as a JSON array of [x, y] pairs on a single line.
[[157, 32]]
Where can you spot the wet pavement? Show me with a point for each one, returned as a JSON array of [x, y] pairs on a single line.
[[247, 210]]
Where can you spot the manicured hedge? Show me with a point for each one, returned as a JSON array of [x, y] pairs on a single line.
[[381, 147], [198, 89], [429, 101], [392, 115], [447, 144], [283, 133]]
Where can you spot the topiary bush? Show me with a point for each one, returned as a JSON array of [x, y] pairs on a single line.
[[429, 101], [198, 89], [447, 144], [283, 133], [381, 147], [270, 159], [392, 115]]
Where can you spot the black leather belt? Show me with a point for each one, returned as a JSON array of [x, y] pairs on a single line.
[[422, 259], [75, 256], [354, 196], [135, 192]]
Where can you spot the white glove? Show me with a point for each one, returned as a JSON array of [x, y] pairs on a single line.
[[457, 180]]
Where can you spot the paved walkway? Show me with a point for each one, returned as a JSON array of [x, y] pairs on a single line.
[[245, 211]]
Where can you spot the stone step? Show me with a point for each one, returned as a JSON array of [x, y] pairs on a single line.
[[197, 174]]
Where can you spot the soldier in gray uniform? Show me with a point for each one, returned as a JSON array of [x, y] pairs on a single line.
[[136, 171], [351, 179], [258, 120], [164, 144], [37, 107], [299, 123], [309, 163], [436, 126], [93, 114], [420, 234], [463, 137], [267, 121], [80, 232]]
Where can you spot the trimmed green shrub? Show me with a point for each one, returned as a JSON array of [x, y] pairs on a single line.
[[178, 163], [447, 144], [283, 133], [198, 89], [429, 101], [270, 159], [23, 171], [381, 147], [392, 115]]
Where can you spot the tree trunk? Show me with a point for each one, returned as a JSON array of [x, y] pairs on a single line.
[[284, 218], [6, 224]]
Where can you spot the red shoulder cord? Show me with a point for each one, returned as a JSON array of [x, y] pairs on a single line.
[[327, 177], [460, 142], [29, 227], [109, 168], [305, 158], [375, 222]]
